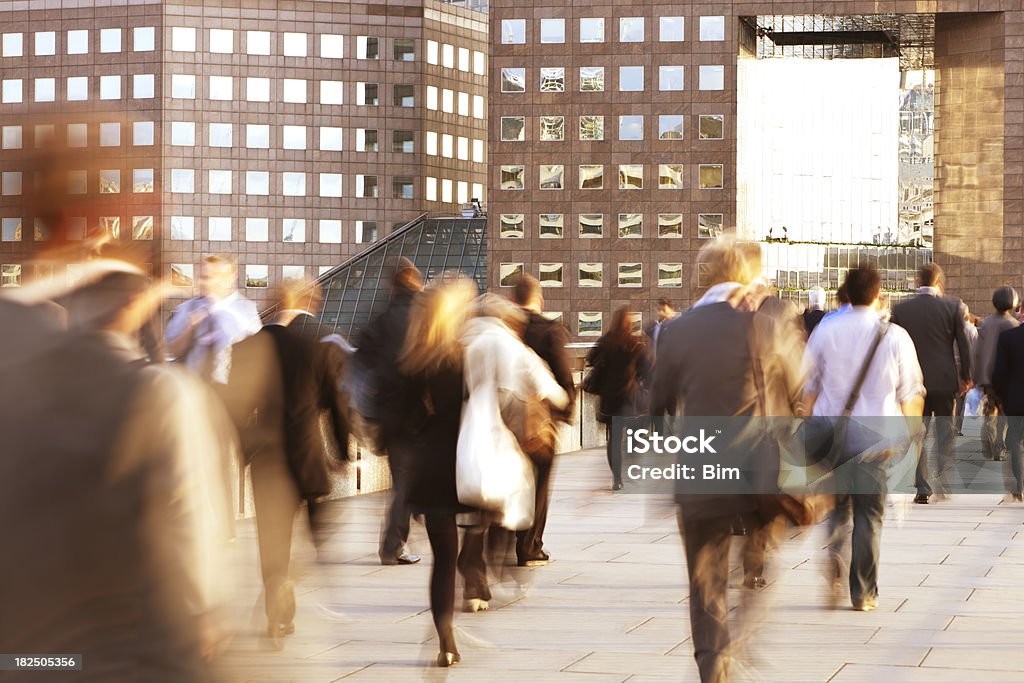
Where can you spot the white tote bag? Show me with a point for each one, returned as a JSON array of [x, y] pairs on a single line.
[[491, 472]]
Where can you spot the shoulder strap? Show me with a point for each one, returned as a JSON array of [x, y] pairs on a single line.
[[883, 328]]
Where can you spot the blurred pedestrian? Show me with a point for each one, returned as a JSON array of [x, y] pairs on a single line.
[[993, 432], [971, 332], [935, 324], [619, 371], [202, 330], [815, 309], [283, 379], [1008, 386], [665, 312]]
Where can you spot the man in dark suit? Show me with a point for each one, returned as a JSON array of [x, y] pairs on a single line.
[[548, 339], [666, 312], [1008, 385], [282, 380], [815, 309], [935, 323]]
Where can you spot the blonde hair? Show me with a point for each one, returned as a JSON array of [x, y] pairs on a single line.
[[728, 259], [299, 293], [435, 323]]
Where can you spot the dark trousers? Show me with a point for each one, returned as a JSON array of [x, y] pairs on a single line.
[[706, 542], [443, 535], [860, 494], [396, 522], [614, 456], [530, 542], [938, 412], [993, 428], [276, 498], [483, 544], [1014, 434]]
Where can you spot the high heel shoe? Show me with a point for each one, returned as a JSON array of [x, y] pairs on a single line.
[[477, 605], [447, 659]]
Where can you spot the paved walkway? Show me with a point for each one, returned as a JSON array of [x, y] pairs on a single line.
[[611, 606]]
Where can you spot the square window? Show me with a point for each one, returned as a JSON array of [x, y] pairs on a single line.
[[366, 232], [293, 137], [631, 127], [221, 88], [46, 43], [513, 177], [78, 135], [10, 183], [257, 277], [591, 274], [110, 87], [670, 275], [182, 275], [591, 177], [366, 140], [182, 133], [513, 128], [257, 42], [293, 184], [110, 40], [142, 227], [366, 186], [11, 91], [670, 225], [183, 228], [78, 88], [44, 134], [294, 44], [712, 176], [183, 39], [183, 180], [591, 225], [367, 47], [631, 30], [257, 89], [712, 77], [670, 127], [332, 46], [76, 231], [712, 28], [367, 94], [331, 92], [222, 41], [591, 79], [670, 176], [12, 45], [671, 29], [712, 127], [631, 275], [11, 137], [142, 133], [589, 324], [592, 30], [46, 89], [10, 275], [257, 136], [78, 182], [513, 31], [294, 91], [257, 182], [509, 274], [10, 229], [550, 274], [293, 272], [511, 226], [219, 228], [330, 139], [552, 79], [142, 180], [513, 79], [405, 95], [552, 128], [143, 39], [220, 182], [142, 86], [552, 225], [631, 78], [257, 230], [709, 225], [330, 231], [552, 177], [78, 42], [631, 177], [405, 50], [403, 141], [631, 225], [552, 30], [220, 135], [402, 187], [670, 78], [330, 184]]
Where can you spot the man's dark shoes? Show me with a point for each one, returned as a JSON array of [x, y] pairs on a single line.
[[921, 499], [755, 582]]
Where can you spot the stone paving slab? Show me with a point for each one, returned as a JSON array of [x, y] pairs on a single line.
[[612, 605]]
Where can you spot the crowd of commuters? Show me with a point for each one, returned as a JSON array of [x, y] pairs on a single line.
[[465, 395]]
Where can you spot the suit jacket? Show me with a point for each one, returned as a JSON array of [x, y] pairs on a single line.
[[548, 339], [985, 348], [811, 319], [935, 324], [1008, 374], [282, 381]]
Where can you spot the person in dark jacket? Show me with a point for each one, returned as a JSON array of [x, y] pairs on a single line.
[[1008, 385], [379, 347], [815, 309], [620, 360], [549, 340], [935, 323], [993, 431], [282, 380]]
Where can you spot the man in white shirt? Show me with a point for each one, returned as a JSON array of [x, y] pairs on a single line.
[[893, 386]]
